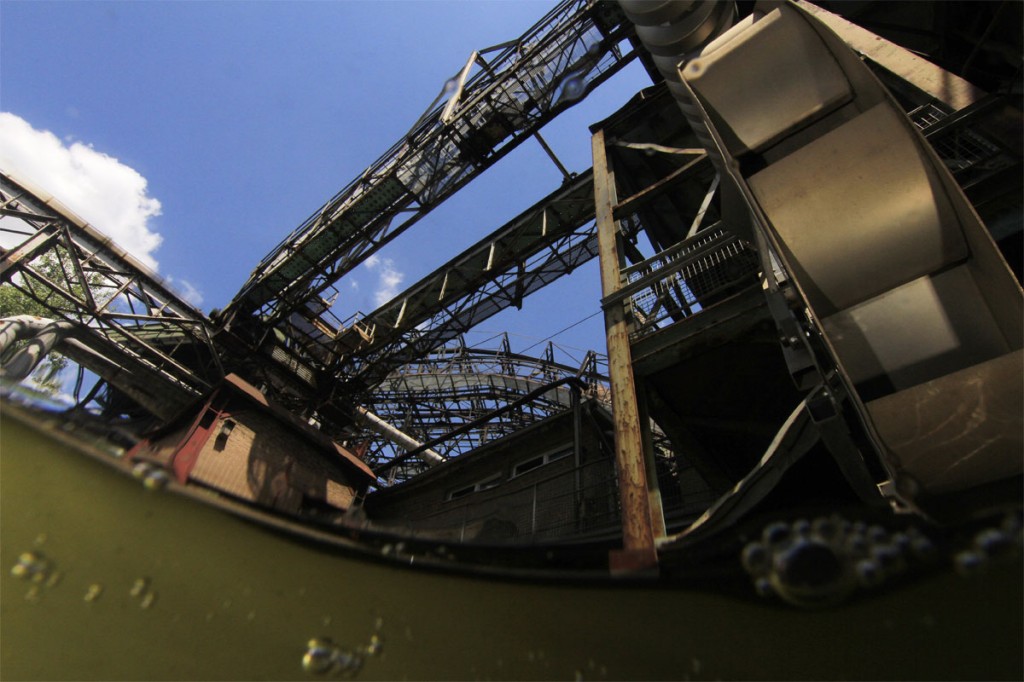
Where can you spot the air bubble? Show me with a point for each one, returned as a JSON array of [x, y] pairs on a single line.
[[147, 601], [572, 88], [809, 573], [323, 656], [868, 573], [970, 563], [318, 658], [32, 566], [901, 541], [142, 590], [921, 545], [877, 534], [825, 529], [887, 557], [755, 558], [1011, 523], [856, 545], [140, 470], [156, 480], [375, 646], [93, 593], [776, 533], [139, 587], [992, 541]]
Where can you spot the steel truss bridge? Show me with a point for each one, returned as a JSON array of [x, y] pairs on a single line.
[[405, 362]]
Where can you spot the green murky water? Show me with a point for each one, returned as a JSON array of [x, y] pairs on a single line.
[[137, 584]]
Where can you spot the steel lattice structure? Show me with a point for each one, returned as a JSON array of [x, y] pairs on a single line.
[[545, 242], [529, 81], [130, 327], [476, 388]]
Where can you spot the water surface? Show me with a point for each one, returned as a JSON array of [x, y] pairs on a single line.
[[141, 584]]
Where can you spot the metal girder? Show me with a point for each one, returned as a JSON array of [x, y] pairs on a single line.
[[549, 240], [552, 66], [455, 385], [642, 516], [124, 317]]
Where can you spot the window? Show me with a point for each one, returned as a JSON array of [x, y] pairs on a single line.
[[539, 461], [461, 492], [485, 484], [528, 465]]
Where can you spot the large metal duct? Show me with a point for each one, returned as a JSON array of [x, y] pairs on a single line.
[[672, 30], [675, 31], [41, 333]]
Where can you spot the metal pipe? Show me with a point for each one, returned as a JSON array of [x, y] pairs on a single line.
[[19, 328], [43, 334], [397, 436], [672, 30]]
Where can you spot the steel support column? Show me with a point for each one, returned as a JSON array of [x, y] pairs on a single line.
[[642, 521]]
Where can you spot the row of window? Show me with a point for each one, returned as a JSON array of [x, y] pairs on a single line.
[[519, 469]]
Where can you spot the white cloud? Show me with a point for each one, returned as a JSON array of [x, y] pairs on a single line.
[[103, 191], [388, 278], [186, 290]]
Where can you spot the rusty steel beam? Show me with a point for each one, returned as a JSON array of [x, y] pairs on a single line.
[[642, 520]]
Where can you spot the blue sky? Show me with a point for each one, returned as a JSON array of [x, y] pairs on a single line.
[[239, 119]]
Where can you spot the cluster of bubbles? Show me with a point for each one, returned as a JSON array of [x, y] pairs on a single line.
[[142, 590], [42, 573], [590, 672], [819, 562], [324, 657], [152, 477], [38, 570], [1004, 539]]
